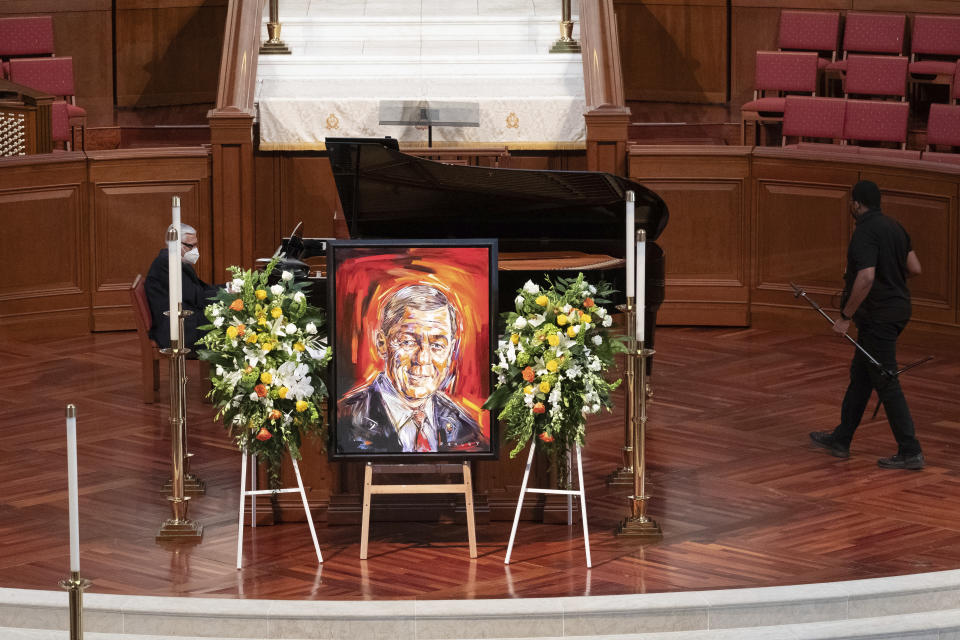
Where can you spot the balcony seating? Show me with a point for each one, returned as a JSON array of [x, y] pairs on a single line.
[[779, 72], [878, 121], [24, 37], [934, 49], [53, 76], [810, 31], [812, 117], [876, 76], [877, 33]]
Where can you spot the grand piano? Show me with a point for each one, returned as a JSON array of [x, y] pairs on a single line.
[[555, 222]]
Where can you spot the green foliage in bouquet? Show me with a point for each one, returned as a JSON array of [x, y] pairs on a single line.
[[551, 363], [268, 357]]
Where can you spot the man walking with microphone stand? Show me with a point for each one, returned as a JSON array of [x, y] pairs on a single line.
[[879, 261]]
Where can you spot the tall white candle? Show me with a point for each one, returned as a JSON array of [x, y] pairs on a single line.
[[631, 285], [173, 282], [176, 212], [641, 281], [72, 488]]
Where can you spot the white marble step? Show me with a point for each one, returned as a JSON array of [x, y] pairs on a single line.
[[447, 28], [416, 86], [415, 67], [327, 9]]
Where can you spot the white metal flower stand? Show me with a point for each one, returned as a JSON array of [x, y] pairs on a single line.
[[566, 492], [253, 493]]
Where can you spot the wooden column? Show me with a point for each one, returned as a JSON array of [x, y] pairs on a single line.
[[607, 115], [231, 138]]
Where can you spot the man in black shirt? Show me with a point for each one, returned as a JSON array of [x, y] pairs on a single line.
[[876, 298], [196, 292]]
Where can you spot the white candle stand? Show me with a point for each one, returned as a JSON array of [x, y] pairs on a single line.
[[254, 492], [623, 475], [524, 490]]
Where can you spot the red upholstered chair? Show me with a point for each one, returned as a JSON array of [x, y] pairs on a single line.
[[934, 49], [149, 351], [878, 121], [24, 37], [943, 126], [778, 72], [876, 76], [810, 117], [53, 76], [810, 31], [871, 33]]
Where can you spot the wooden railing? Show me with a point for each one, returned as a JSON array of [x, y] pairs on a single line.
[[607, 116], [231, 137], [24, 120]]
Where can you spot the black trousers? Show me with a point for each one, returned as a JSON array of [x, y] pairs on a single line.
[[880, 340]]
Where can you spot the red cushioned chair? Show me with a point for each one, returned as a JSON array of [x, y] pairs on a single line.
[[778, 72], [876, 76], [943, 128], [149, 351], [871, 33], [878, 121], [810, 31], [811, 117], [935, 48], [24, 37], [53, 76]]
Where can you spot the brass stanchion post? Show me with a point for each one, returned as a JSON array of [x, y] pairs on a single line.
[[566, 43], [75, 585], [624, 474], [274, 44]]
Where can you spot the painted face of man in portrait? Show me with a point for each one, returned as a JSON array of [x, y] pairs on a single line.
[[417, 351]]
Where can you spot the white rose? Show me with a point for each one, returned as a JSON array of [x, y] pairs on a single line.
[[287, 276], [593, 289], [519, 300], [520, 323], [217, 322], [276, 289], [567, 308], [253, 395], [529, 287], [600, 312], [298, 297], [236, 285], [310, 328], [607, 321], [597, 340], [214, 310], [291, 329]]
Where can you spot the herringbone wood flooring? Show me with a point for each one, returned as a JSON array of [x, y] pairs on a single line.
[[744, 500]]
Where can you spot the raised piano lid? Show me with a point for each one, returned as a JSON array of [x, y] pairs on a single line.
[[576, 216]]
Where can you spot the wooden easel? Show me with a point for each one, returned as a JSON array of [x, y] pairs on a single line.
[[369, 489]]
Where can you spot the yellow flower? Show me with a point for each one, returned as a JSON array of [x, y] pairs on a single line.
[[267, 346], [553, 339], [542, 300], [251, 337], [260, 293], [283, 391], [572, 332], [515, 338], [266, 377], [545, 386], [552, 366], [299, 346], [262, 320], [586, 318], [276, 312], [231, 332], [528, 390], [561, 319], [301, 405]]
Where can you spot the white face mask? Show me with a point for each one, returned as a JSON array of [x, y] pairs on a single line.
[[191, 257]]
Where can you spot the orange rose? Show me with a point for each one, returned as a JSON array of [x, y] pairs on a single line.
[[529, 374], [237, 305], [546, 437], [588, 303], [264, 435], [241, 329], [539, 408], [261, 390], [275, 415]]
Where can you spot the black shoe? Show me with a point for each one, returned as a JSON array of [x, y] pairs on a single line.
[[914, 462], [826, 440]]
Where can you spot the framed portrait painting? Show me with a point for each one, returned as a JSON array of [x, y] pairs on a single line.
[[412, 330]]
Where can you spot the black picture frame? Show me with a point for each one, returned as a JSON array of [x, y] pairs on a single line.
[[364, 278]]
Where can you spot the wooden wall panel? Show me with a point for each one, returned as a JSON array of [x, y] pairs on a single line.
[[706, 242], [82, 29], [673, 50], [43, 214], [168, 51], [131, 194]]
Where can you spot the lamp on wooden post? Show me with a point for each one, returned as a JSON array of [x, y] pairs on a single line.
[[274, 44]]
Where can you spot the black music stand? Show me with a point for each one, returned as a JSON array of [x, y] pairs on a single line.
[[429, 114]]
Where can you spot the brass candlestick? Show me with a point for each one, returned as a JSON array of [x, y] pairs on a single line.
[[623, 476], [566, 43], [178, 528], [274, 44], [75, 585], [639, 525], [192, 485]]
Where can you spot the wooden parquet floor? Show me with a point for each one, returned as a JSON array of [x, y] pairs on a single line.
[[743, 498]]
